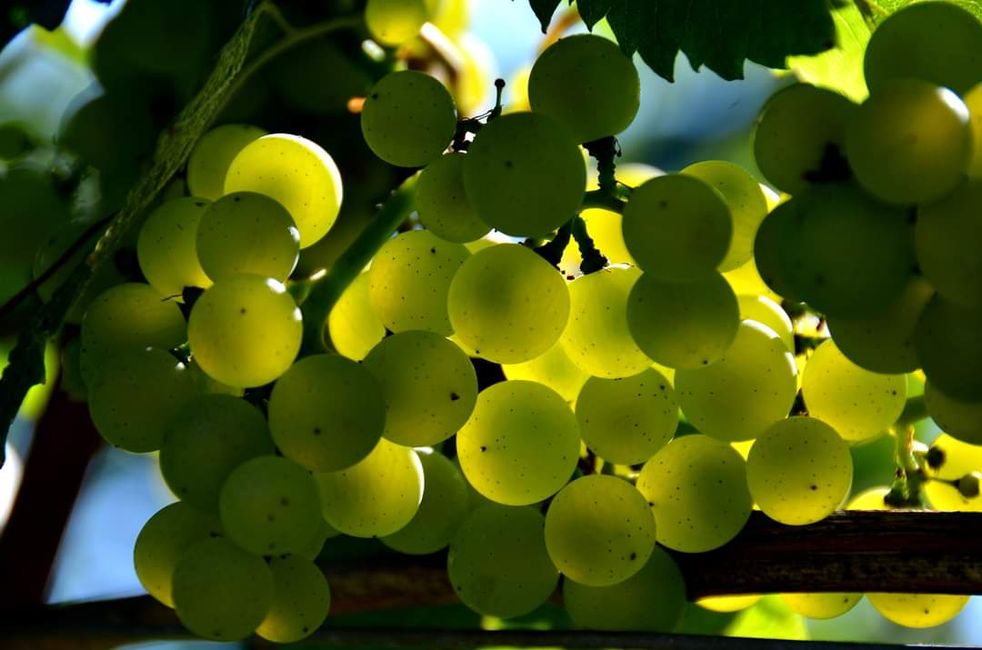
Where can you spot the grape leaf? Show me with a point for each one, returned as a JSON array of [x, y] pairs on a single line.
[[841, 68], [592, 11], [883, 8], [543, 11]]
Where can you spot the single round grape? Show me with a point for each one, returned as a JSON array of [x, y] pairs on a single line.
[[213, 153], [767, 312], [960, 458], [246, 232], [394, 22], [652, 599], [409, 281], [205, 441], [269, 506], [165, 246], [599, 530], [221, 592], [428, 385], [377, 496], [134, 395], [326, 412], [799, 471], [163, 540], [910, 142], [627, 420], [948, 341], [937, 42], [552, 368], [683, 324], [297, 173], [821, 605], [521, 443], [508, 304], [917, 610], [498, 564], [800, 137], [777, 231], [301, 598], [245, 330], [444, 506], [597, 338], [973, 101], [523, 190], [586, 83], [948, 238], [408, 118], [749, 389], [353, 325], [961, 420], [677, 227], [441, 201], [697, 488]]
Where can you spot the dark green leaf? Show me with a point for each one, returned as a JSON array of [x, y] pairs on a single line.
[[591, 11], [543, 11]]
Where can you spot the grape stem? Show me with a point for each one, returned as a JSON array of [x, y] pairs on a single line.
[[910, 476]]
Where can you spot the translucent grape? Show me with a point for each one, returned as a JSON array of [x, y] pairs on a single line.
[[683, 324], [960, 458], [506, 179], [221, 592], [961, 420], [552, 368], [428, 386], [394, 22], [599, 530], [212, 155], [245, 330], [409, 281], [776, 231], [767, 312], [498, 564], [353, 325], [408, 118], [163, 540], [799, 471], [918, 610], [586, 83], [627, 420], [297, 173], [750, 388], [821, 605], [947, 238], [948, 341], [165, 247], [441, 201], [377, 496], [597, 338], [301, 599], [508, 304], [677, 227], [697, 488], [520, 445], [857, 403], [326, 412]]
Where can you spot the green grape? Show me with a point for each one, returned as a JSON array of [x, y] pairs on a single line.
[[683, 324], [428, 385], [771, 245], [677, 227], [586, 83], [871, 499], [746, 281], [327, 412], [409, 280], [627, 420], [445, 504], [973, 101], [521, 443], [269, 505], [857, 403], [728, 604], [297, 173], [821, 605], [599, 530], [221, 592], [948, 341], [932, 41], [746, 201], [749, 389], [697, 488], [917, 610], [134, 395], [552, 368], [210, 159], [205, 441], [910, 142], [960, 458], [800, 137], [163, 540], [883, 342], [441, 201], [522, 190], [394, 22], [377, 496], [166, 249], [245, 330], [408, 118], [498, 564], [961, 420], [799, 471], [508, 304], [353, 325], [597, 338], [947, 238], [767, 312], [301, 598], [652, 599], [246, 232]]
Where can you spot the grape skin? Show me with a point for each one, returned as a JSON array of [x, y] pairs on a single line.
[[961, 420], [301, 598], [213, 153], [394, 22], [165, 246], [948, 342], [353, 326], [441, 201], [552, 368], [947, 239]]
